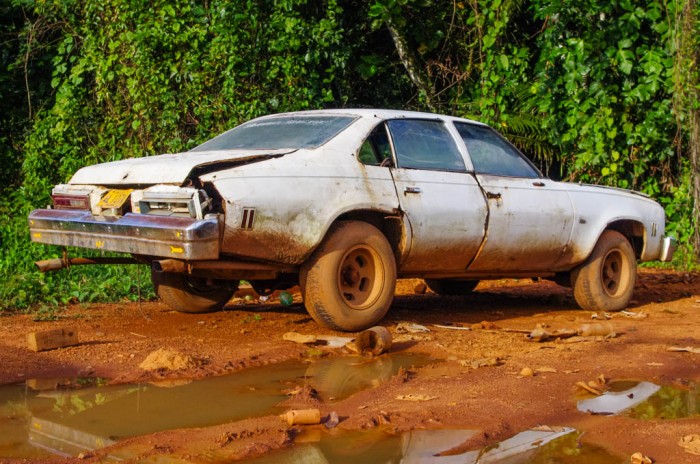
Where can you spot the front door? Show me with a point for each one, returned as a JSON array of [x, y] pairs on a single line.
[[530, 217]]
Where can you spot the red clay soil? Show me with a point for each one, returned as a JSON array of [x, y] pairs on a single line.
[[495, 399]]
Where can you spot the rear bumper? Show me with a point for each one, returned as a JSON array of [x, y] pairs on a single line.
[[668, 247], [164, 236]]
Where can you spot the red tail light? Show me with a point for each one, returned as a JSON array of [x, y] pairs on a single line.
[[63, 201]]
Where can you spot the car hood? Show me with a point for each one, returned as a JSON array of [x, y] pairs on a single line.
[[167, 169]]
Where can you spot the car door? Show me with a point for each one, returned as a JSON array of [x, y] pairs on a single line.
[[442, 202], [530, 217]]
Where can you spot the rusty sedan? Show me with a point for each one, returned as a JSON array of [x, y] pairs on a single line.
[[344, 202]]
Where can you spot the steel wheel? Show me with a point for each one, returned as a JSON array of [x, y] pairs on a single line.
[[358, 277], [605, 281], [612, 272], [348, 283]]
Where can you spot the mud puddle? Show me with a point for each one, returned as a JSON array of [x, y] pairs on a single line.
[[538, 446], [645, 400], [37, 419]]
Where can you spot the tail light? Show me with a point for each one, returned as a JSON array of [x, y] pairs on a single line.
[[69, 197]]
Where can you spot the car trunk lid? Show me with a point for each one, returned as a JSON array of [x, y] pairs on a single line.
[[166, 169]]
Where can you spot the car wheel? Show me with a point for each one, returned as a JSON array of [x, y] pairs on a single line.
[[605, 281], [349, 281], [451, 286], [188, 294]]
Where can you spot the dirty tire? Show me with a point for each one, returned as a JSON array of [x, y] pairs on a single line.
[[451, 286], [605, 281], [188, 294], [349, 281]]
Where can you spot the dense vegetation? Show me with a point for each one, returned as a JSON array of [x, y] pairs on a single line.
[[602, 91]]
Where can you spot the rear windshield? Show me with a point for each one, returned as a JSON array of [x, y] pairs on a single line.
[[292, 132]]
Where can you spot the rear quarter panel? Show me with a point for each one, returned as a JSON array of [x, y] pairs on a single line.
[[295, 200]]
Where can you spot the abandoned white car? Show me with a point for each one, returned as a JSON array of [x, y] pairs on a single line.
[[344, 202]]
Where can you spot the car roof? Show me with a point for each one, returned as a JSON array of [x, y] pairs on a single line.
[[376, 113]]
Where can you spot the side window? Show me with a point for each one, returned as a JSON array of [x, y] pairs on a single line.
[[492, 154], [424, 144], [375, 148]]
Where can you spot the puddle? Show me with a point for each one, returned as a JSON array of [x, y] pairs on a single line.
[[37, 419], [542, 446], [645, 400]]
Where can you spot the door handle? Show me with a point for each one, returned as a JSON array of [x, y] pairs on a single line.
[[538, 184], [493, 196], [408, 190]]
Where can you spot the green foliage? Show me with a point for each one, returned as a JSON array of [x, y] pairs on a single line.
[[133, 78], [601, 91], [604, 80]]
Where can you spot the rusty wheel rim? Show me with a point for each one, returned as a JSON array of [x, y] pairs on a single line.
[[613, 272], [360, 277]]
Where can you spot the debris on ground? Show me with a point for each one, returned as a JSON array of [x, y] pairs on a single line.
[[168, 360], [373, 341], [639, 458], [413, 397], [332, 420], [332, 341], [527, 372], [411, 327], [420, 289], [51, 339], [302, 416], [596, 330], [452, 327], [584, 332], [684, 349], [691, 444], [544, 370], [540, 334], [482, 362], [485, 325], [633, 315], [596, 387]]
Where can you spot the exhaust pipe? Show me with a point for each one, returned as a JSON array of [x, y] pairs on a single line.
[[65, 262], [169, 265]]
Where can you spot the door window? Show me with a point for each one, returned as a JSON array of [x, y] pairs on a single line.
[[492, 154], [424, 144]]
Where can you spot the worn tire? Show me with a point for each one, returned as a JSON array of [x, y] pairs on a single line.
[[349, 281], [451, 286], [188, 294], [605, 281]]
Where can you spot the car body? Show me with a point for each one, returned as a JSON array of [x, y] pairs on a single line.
[[344, 202]]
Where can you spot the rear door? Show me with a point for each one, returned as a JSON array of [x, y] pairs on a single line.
[[443, 203]]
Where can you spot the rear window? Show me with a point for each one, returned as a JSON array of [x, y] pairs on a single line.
[[293, 132]]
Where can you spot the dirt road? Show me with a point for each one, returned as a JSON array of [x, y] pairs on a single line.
[[480, 370]]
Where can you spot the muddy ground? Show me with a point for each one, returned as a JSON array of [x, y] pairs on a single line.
[[497, 399]]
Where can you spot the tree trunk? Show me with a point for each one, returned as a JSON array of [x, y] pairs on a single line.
[[411, 65]]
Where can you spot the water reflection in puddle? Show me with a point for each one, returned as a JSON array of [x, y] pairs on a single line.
[[36, 417], [645, 400], [542, 446]]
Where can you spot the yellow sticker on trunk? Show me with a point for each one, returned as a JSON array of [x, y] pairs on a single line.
[[114, 198]]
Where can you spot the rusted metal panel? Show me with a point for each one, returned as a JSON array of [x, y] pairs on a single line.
[[173, 237]]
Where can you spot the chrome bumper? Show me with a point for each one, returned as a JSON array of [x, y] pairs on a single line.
[[166, 236], [668, 247]]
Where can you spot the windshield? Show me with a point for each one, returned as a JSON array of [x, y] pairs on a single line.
[[280, 132]]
